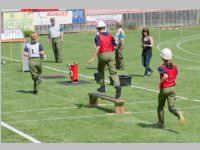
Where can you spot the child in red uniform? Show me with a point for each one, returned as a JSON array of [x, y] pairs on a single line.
[[168, 72]]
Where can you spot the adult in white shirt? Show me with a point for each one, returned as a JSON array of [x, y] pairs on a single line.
[[56, 37]]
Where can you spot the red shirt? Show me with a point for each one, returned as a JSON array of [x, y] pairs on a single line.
[[171, 80], [106, 44]]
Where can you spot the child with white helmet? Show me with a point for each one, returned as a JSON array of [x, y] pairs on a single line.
[[168, 72]]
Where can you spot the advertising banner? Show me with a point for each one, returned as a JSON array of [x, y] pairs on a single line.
[[18, 20], [108, 19], [78, 16], [61, 17], [12, 34]]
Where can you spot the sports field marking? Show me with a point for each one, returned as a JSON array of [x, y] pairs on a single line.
[[17, 60], [195, 68], [158, 46], [65, 108], [185, 38], [94, 116], [178, 45], [28, 137], [196, 100], [107, 81]]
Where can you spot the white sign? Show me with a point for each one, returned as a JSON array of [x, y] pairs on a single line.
[[61, 17], [108, 19], [12, 34], [18, 20]]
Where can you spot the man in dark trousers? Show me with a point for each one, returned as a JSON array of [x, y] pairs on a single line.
[[119, 40], [56, 36], [105, 45]]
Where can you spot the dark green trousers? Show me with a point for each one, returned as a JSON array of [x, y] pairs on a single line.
[[169, 95], [119, 57], [56, 45], [108, 59], [35, 66]]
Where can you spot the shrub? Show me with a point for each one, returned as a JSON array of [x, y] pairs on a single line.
[[27, 33]]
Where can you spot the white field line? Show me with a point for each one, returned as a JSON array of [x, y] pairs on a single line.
[[169, 41], [94, 116], [17, 60], [178, 45], [187, 108], [42, 109], [196, 100], [61, 118], [196, 69], [66, 108], [107, 81], [28, 137]]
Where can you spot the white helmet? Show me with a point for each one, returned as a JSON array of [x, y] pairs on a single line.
[[166, 54], [101, 24]]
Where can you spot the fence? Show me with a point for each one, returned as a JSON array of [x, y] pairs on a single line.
[[134, 20], [169, 18], [162, 19]]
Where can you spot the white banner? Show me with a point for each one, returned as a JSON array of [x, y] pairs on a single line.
[[108, 19], [18, 20], [61, 17], [12, 34]]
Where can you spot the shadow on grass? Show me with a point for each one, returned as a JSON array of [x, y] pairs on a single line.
[[137, 75], [79, 106], [91, 68], [25, 91], [154, 125], [49, 61], [70, 83], [23, 71]]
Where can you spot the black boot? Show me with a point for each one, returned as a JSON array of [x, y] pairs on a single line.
[[118, 91], [102, 89], [35, 92], [160, 125]]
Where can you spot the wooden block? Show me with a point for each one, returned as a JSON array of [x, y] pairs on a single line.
[[119, 108], [93, 101]]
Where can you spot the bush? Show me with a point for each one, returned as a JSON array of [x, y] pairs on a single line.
[[27, 33]]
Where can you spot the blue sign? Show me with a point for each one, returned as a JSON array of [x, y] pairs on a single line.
[[78, 16]]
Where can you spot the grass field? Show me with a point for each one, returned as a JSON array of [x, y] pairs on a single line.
[[59, 115]]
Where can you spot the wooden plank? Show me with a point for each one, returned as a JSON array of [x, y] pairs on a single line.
[[105, 97], [119, 103]]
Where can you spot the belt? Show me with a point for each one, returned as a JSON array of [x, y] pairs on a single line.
[[55, 38], [34, 58]]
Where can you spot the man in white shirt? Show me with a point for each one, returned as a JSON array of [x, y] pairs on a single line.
[[56, 37]]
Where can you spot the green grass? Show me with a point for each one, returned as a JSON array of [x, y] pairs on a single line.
[[58, 114]]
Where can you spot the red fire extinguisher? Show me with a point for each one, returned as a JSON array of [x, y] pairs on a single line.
[[73, 68]]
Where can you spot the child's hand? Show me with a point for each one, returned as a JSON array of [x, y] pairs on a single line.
[[91, 60]]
